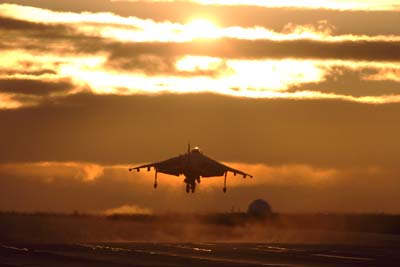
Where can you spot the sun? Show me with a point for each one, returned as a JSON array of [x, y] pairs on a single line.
[[202, 29]]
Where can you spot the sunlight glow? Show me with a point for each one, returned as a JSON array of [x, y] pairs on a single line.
[[252, 78], [51, 171], [194, 74], [133, 29], [154, 72], [237, 78], [48, 171], [199, 63], [307, 4], [392, 74], [127, 209], [201, 28], [7, 101]]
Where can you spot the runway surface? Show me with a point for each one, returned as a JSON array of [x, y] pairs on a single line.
[[196, 254]]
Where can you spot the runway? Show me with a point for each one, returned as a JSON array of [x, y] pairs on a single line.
[[196, 254]]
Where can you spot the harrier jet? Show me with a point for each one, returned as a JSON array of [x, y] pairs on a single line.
[[193, 165]]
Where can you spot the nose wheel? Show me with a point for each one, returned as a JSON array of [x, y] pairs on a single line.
[[190, 187], [193, 185]]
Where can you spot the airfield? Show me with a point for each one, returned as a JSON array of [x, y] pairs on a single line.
[[230, 239], [196, 254]]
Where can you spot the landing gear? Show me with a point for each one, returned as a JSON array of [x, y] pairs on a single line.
[[187, 188], [155, 180], [193, 185], [190, 182], [190, 186], [224, 189]]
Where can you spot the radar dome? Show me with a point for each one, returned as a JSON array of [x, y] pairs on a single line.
[[259, 208]]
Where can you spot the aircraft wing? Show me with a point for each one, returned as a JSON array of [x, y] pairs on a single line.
[[210, 167], [172, 166]]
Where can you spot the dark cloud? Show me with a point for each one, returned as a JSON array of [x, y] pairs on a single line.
[[346, 22], [41, 37], [11, 72], [129, 129], [153, 65], [63, 38], [15, 24], [302, 49], [260, 49], [32, 29], [49, 30], [34, 87], [149, 64], [343, 81]]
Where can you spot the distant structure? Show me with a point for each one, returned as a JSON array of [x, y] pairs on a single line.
[[259, 208]]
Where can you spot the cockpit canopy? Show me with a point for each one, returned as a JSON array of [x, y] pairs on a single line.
[[196, 150]]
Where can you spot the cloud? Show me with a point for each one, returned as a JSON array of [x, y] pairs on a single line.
[[231, 84], [103, 53], [307, 4], [310, 4], [34, 87], [9, 101], [384, 75], [369, 23], [291, 174], [29, 27], [50, 171], [323, 27], [240, 78], [152, 74], [127, 209], [134, 29], [355, 79], [22, 73], [320, 133], [301, 175], [137, 36], [288, 187]]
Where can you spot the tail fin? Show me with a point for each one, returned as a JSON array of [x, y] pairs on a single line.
[[188, 147]]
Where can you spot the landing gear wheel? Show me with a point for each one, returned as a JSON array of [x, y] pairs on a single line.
[[193, 187], [187, 188], [224, 189]]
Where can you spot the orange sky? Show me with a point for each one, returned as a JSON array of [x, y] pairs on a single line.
[[305, 96]]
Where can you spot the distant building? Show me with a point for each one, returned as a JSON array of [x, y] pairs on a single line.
[[259, 208]]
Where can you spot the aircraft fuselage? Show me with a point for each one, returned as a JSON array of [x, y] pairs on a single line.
[[193, 165]]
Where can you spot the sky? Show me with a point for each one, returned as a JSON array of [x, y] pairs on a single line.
[[304, 95]]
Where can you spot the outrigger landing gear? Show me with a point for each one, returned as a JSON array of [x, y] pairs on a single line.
[[224, 189], [155, 180]]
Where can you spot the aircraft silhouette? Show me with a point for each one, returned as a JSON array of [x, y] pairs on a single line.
[[193, 165]]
